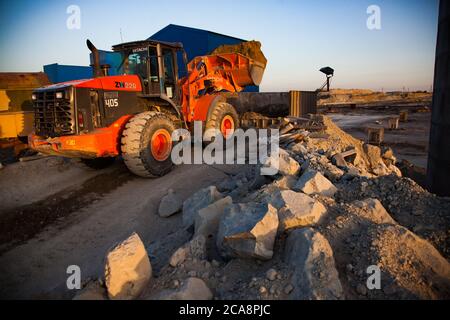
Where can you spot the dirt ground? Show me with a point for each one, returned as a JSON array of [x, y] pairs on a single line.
[[409, 142], [74, 215], [55, 212]]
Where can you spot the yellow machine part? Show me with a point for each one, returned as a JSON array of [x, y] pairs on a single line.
[[16, 124]]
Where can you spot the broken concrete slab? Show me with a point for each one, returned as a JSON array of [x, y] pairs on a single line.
[[296, 209], [314, 273], [285, 182], [128, 269], [197, 201], [208, 218], [313, 182], [248, 230], [285, 165], [373, 210], [191, 289], [340, 159], [170, 204]]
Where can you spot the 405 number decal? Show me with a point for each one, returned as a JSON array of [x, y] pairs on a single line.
[[112, 99]]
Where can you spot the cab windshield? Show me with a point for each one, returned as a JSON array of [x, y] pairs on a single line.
[[137, 63]]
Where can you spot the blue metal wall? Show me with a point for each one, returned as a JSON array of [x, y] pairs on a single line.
[[61, 73]]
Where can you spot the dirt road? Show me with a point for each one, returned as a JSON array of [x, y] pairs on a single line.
[[78, 218]]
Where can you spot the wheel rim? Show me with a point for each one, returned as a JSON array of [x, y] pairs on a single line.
[[227, 126], [161, 144]]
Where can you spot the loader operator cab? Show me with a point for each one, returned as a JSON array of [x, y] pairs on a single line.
[[155, 63]]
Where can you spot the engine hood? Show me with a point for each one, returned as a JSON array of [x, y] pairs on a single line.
[[116, 83]]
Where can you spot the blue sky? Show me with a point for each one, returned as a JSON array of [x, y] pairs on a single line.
[[298, 37]]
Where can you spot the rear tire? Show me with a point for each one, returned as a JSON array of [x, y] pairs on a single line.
[[98, 163], [147, 144], [222, 117]]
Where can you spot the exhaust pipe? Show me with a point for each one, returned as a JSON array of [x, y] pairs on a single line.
[[97, 69]]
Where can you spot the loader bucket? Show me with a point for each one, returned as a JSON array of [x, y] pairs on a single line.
[[250, 66], [256, 73], [249, 49]]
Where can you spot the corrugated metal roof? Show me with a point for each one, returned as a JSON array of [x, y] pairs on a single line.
[[22, 80], [193, 29]]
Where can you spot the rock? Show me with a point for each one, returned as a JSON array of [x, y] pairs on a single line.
[[169, 204], [208, 218], [262, 290], [92, 291], [1, 166], [288, 289], [197, 201], [194, 249], [332, 172], [375, 161], [339, 161], [239, 192], [197, 247], [310, 256], [373, 210], [271, 274], [127, 269], [248, 230], [258, 181], [361, 289], [227, 185], [313, 182], [285, 182], [191, 289], [179, 256], [296, 209], [388, 156], [299, 148], [285, 165], [395, 170]]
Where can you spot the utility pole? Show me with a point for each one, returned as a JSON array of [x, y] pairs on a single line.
[[438, 169]]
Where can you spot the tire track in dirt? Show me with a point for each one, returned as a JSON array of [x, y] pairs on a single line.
[[23, 223]]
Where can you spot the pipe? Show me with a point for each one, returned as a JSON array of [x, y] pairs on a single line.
[[438, 168], [96, 66]]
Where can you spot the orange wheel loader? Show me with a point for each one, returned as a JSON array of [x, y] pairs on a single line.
[[135, 113]]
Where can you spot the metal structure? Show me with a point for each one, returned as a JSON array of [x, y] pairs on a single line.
[[329, 73], [302, 103], [438, 169]]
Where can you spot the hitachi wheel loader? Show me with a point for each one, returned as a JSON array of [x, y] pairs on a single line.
[[134, 114]]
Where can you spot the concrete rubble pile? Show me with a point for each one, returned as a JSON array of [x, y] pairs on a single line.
[[338, 210]]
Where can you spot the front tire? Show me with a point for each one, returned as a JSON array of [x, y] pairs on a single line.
[[147, 144], [224, 118]]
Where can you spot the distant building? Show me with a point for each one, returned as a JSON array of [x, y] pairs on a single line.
[[196, 42], [61, 73]]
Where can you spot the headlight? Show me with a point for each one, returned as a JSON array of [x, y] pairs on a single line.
[[59, 95], [33, 96]]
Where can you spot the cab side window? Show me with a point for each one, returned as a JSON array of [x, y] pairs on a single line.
[[153, 55], [168, 59]]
